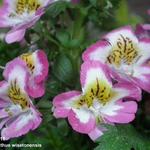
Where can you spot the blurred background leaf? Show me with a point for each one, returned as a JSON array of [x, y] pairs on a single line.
[[124, 16]]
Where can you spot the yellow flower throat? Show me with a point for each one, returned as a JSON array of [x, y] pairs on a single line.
[[99, 91], [125, 51], [17, 96], [27, 5], [28, 58]]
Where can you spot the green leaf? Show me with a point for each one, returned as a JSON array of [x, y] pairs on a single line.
[[63, 37], [93, 2], [56, 8], [121, 137], [63, 69]]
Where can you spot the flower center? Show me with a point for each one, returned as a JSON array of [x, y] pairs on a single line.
[[28, 6], [125, 51], [99, 91], [28, 58], [17, 96]]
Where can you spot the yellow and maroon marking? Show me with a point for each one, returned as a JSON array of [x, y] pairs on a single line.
[[28, 6], [125, 51], [17, 96], [28, 58], [100, 91]]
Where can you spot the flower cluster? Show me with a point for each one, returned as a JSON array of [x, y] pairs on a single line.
[[126, 56], [114, 72], [24, 78]]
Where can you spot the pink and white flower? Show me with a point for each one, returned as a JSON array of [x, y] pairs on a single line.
[[100, 102], [37, 67], [126, 56], [20, 15], [18, 114]]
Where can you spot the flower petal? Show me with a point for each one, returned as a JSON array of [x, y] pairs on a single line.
[[141, 77], [98, 51], [15, 36], [16, 70], [3, 103], [42, 65], [126, 31], [92, 71], [4, 11], [121, 118], [3, 91], [144, 46], [125, 113], [63, 103], [95, 134], [128, 106], [38, 66], [81, 120], [36, 90], [130, 90], [23, 124], [126, 92], [3, 113]]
